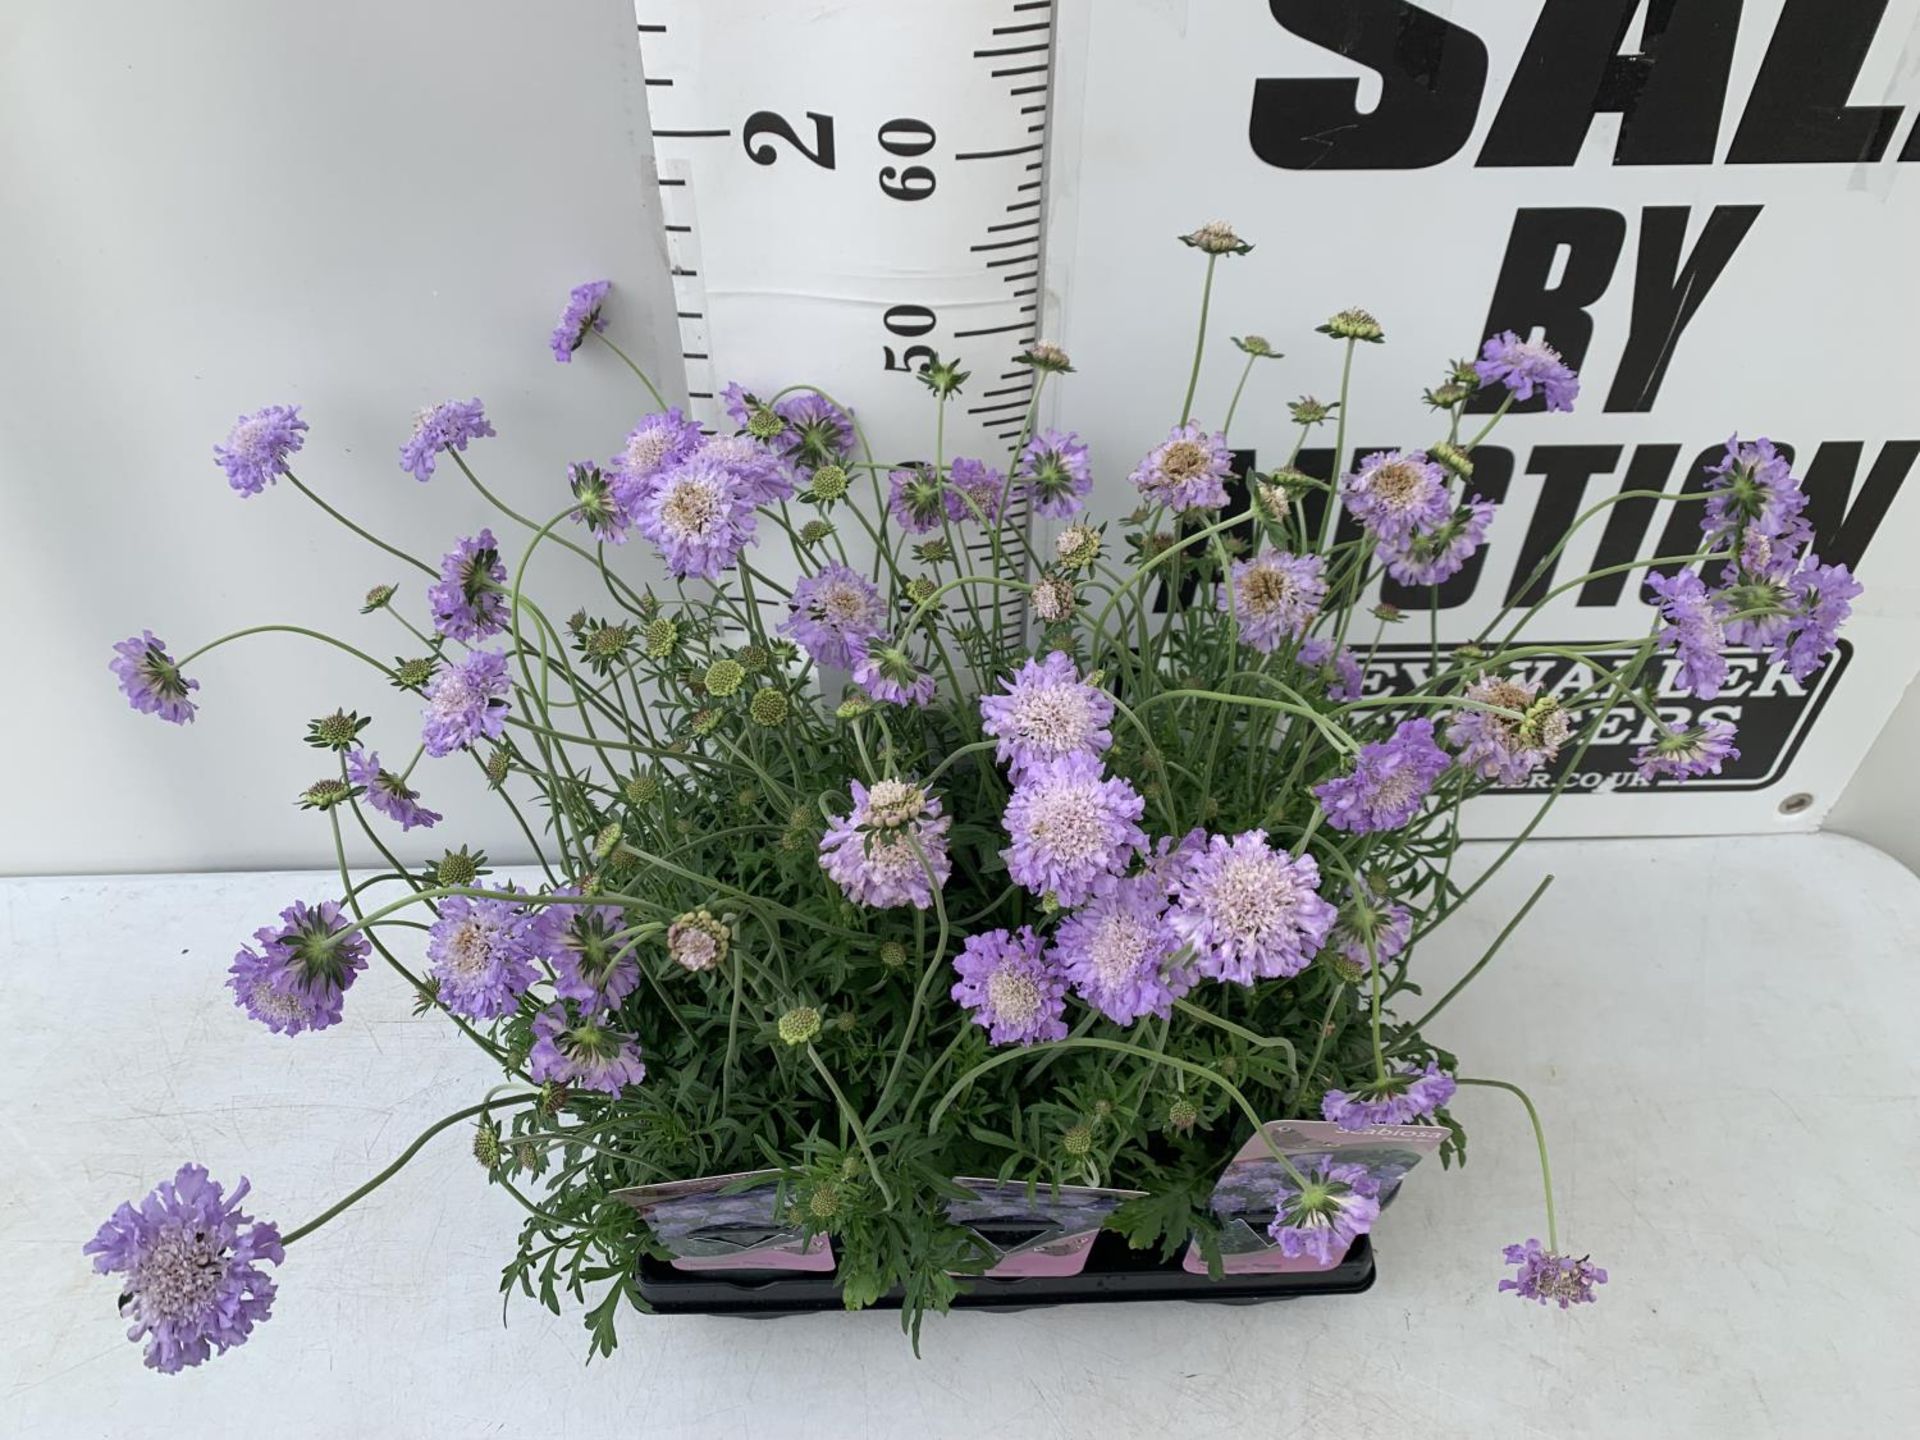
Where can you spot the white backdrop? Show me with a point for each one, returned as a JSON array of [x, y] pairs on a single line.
[[361, 208]]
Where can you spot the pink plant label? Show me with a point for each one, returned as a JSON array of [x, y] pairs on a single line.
[[723, 1222]]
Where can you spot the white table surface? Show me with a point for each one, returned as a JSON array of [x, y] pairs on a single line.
[[1719, 1033]]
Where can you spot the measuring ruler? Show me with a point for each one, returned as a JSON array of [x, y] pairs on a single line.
[[849, 189]]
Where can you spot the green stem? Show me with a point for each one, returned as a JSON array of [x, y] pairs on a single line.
[[1199, 340], [1540, 1142]]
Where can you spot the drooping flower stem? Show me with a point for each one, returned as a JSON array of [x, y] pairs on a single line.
[[365, 535], [1540, 1143], [286, 630], [1199, 340], [653, 390], [1226, 425], [1492, 950]]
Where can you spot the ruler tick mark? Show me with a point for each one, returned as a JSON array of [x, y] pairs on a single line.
[[1014, 224], [680, 229], [1009, 390], [1022, 29], [691, 134], [997, 154], [661, 29], [1028, 89], [990, 330], [1021, 70], [1011, 50], [659, 82], [1009, 279], [1014, 259], [1021, 205]]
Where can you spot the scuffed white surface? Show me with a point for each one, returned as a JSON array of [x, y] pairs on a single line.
[[1715, 1030]]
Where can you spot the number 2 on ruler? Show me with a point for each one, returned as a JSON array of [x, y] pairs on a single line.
[[905, 137]]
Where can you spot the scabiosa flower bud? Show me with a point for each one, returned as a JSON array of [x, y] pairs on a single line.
[[1047, 712], [829, 483], [1257, 345], [1216, 237], [921, 589], [388, 793], [487, 1148], [1398, 1099], [607, 839], [1524, 366], [1250, 910], [942, 377], [1182, 1115], [150, 678], [763, 422], [1389, 782], [191, 1257], [458, 868], [1045, 356], [1454, 457], [302, 971], [893, 954], [834, 613], [338, 731], [1323, 1216], [854, 705], [1187, 471], [769, 707], [1503, 747], [888, 673], [448, 426], [1011, 990], [823, 1201], [467, 702], [1683, 752], [696, 941], [1309, 412], [1077, 546], [1054, 471], [1053, 598], [584, 1050], [1071, 824], [468, 603], [378, 598], [814, 532], [1353, 324], [1077, 1140], [724, 677], [661, 638], [891, 849], [326, 793], [799, 1025], [1273, 596], [256, 450], [413, 674], [581, 315], [1547, 1277]]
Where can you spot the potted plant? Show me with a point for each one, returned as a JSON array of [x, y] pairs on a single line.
[[936, 906]]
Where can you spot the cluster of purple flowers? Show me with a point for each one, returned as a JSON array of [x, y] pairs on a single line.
[[1398, 1099], [150, 678], [1398, 495], [573, 1047], [1046, 713], [1325, 1211], [1248, 909], [1070, 824], [1015, 994], [299, 977]]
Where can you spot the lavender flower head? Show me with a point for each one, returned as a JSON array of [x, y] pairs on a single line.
[[1273, 596], [1345, 679], [1397, 494], [1400, 1099], [916, 499], [1684, 752], [583, 1050], [449, 425], [481, 952], [257, 447], [581, 315], [1435, 556], [191, 1257], [699, 515], [1524, 366], [1250, 910], [764, 477], [653, 447], [875, 853], [888, 674], [150, 678], [600, 510], [590, 964], [388, 793], [1117, 950], [1046, 713], [1820, 600], [1186, 471], [1322, 1218], [1389, 781], [469, 602], [818, 431], [973, 491], [835, 612], [1014, 994], [299, 978], [1501, 747], [1550, 1278], [1057, 476], [1752, 492], [466, 701], [1694, 631], [1070, 825], [1353, 951]]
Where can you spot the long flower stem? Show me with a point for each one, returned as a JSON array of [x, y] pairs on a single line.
[[1540, 1143]]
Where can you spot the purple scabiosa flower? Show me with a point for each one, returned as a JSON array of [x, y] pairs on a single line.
[[1396, 494], [653, 447], [1683, 752], [1345, 679], [388, 793], [1500, 747], [888, 673], [1335, 1206], [700, 516], [466, 701], [1433, 557], [1071, 824], [1547, 1277], [591, 962], [1186, 471], [1046, 713], [191, 1257], [835, 613], [1752, 492], [1117, 950], [299, 978], [765, 477], [916, 500], [583, 1050], [600, 509], [973, 491], [1057, 476], [481, 952], [1399, 1099], [818, 431], [1389, 781], [150, 678], [1820, 598], [257, 447], [1170, 856], [1348, 941], [581, 315], [738, 403], [1694, 631], [1250, 910], [1014, 994], [469, 602], [1274, 595], [449, 425], [1524, 366], [891, 849]]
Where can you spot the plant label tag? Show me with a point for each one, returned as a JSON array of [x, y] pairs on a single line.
[[727, 1222]]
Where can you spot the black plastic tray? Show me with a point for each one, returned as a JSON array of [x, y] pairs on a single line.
[[1114, 1273]]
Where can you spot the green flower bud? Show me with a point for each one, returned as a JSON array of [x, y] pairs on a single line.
[[642, 789], [662, 638], [486, 1144], [828, 485], [1078, 1140], [1354, 324], [325, 794], [414, 674], [377, 599], [769, 707], [799, 1025], [724, 677]]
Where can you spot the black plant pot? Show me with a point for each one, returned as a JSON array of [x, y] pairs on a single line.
[[1114, 1273]]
